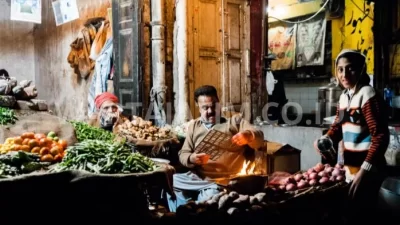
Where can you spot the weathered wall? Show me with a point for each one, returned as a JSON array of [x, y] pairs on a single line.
[[65, 92], [16, 45]]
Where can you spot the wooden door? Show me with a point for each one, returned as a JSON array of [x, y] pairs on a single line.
[[236, 79], [218, 34], [127, 36]]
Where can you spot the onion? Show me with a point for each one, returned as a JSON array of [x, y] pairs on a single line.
[[305, 177], [313, 182], [336, 172], [311, 170], [305, 174], [302, 184], [317, 169], [332, 179], [327, 165], [282, 187], [290, 187], [323, 174], [290, 180], [298, 177], [328, 169], [323, 180], [338, 166], [313, 176], [340, 178]]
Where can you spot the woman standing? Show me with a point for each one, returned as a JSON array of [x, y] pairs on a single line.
[[362, 125]]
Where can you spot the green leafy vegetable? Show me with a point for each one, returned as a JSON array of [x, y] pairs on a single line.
[[104, 157], [86, 132], [7, 116]]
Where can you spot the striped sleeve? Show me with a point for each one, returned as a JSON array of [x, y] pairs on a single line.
[[335, 131], [376, 120]]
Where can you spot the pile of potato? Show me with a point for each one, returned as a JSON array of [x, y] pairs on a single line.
[[141, 129], [318, 175], [229, 202]]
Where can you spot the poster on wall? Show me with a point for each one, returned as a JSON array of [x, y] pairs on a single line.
[[65, 11], [310, 42], [26, 10], [281, 42]]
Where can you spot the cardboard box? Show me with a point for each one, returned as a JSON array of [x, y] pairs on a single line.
[[281, 157]]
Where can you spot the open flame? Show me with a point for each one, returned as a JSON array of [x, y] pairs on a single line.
[[247, 168]]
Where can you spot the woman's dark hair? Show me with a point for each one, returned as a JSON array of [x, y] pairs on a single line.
[[205, 90], [359, 63]]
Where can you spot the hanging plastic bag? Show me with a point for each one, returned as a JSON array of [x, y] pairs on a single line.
[[392, 154], [270, 82]]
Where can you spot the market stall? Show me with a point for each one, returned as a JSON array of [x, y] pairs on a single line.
[[317, 196], [63, 167]]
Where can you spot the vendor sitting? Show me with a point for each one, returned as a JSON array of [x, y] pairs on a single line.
[[195, 185], [108, 112]]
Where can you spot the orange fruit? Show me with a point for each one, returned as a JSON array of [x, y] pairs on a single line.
[[29, 135], [44, 151], [47, 158], [16, 147], [36, 150], [18, 140], [58, 158], [43, 142], [54, 151], [33, 143], [25, 148], [63, 143], [40, 136], [26, 141]]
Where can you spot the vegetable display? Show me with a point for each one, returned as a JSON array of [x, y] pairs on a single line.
[[104, 157], [141, 129], [318, 175], [7, 116], [48, 147], [17, 163], [84, 132]]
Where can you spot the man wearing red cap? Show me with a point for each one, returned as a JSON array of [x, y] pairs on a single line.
[[108, 111]]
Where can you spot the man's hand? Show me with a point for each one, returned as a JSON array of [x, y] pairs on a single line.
[[199, 159], [362, 184], [243, 138]]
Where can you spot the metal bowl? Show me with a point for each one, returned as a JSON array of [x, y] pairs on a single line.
[[389, 194]]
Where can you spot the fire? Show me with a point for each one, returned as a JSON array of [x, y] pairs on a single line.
[[247, 168]]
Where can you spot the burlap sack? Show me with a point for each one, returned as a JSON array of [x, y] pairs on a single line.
[[40, 122]]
